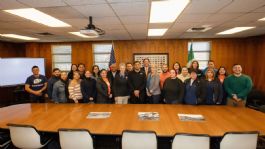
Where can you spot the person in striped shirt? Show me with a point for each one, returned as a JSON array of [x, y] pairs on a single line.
[[74, 89]]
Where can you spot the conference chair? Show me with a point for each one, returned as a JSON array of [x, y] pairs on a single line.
[[191, 141], [75, 138], [240, 140], [139, 139], [4, 140], [27, 136]]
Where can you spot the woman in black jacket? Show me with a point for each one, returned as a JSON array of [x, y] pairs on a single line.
[[104, 92], [212, 91], [173, 89], [121, 86], [192, 89], [88, 88]]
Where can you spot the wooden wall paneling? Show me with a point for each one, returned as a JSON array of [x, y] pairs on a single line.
[[82, 53]]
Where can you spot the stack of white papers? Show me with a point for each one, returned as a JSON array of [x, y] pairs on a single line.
[[96, 115], [191, 117], [148, 115]]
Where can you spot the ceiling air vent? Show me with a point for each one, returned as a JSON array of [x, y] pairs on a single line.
[[198, 29], [45, 34]]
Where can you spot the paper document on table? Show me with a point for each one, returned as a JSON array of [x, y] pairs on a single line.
[[95, 115], [148, 115], [191, 117]]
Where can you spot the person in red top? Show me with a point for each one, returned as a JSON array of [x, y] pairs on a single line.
[[164, 75], [222, 74]]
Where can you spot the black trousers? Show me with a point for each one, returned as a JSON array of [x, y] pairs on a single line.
[[138, 100]]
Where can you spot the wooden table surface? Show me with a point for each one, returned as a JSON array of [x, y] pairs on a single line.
[[51, 117]]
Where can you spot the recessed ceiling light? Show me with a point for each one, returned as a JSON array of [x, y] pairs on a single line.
[[82, 35], [262, 19], [157, 32], [166, 11], [234, 30], [38, 16], [18, 37]]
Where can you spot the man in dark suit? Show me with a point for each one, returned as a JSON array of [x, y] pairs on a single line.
[[111, 75], [146, 66]]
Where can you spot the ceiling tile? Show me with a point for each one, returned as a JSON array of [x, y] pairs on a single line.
[[205, 6], [243, 6], [223, 17], [62, 12], [100, 10], [134, 19], [192, 17], [84, 2], [10, 4], [250, 17], [43, 3], [131, 9]]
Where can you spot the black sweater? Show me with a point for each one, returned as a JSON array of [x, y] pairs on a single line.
[[173, 91], [88, 89], [137, 81]]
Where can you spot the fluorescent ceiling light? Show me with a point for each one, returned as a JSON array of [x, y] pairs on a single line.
[[38, 16], [157, 32], [262, 19], [234, 30], [166, 11], [18, 37], [82, 35]]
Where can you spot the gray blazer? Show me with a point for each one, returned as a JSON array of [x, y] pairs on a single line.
[[59, 92], [153, 86]]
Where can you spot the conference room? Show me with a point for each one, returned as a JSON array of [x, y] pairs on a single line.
[[132, 74]]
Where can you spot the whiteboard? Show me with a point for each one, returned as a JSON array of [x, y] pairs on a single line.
[[14, 71]]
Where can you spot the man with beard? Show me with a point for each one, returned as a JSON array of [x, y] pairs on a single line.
[[164, 75], [137, 84], [55, 77]]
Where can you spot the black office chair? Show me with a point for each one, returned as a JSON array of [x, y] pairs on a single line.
[[4, 139]]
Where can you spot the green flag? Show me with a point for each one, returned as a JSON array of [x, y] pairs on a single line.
[[190, 54]]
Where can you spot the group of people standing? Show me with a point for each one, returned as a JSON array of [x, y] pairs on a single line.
[[132, 83]]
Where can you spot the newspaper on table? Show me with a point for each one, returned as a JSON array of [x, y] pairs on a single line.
[[148, 115], [98, 115], [191, 117]]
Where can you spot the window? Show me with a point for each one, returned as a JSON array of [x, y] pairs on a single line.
[[102, 55], [62, 57], [201, 52]]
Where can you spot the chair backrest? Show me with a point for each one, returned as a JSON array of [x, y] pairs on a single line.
[[242, 140], [24, 136], [139, 140], [191, 141], [75, 138]]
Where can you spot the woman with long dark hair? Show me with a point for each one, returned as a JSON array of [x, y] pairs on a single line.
[[177, 68], [221, 75], [194, 66], [95, 72], [71, 73], [104, 92]]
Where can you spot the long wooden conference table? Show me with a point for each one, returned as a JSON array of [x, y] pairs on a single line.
[[50, 117]]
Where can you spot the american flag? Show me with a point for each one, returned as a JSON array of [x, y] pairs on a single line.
[[112, 59]]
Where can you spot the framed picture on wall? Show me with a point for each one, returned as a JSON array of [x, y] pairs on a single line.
[[155, 58]]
